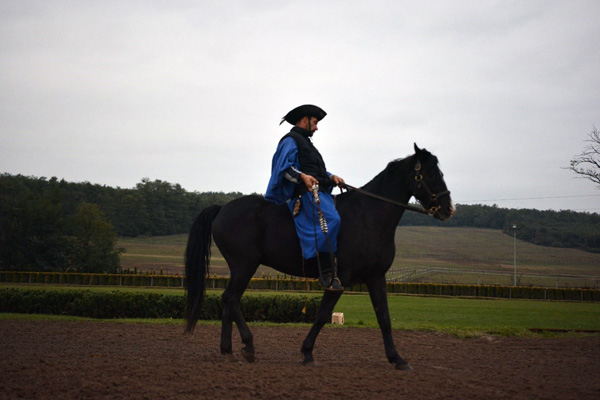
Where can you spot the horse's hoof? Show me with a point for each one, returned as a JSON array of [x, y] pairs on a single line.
[[229, 357], [248, 356], [404, 367], [311, 364]]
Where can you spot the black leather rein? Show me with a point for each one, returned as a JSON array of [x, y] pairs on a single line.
[[419, 179]]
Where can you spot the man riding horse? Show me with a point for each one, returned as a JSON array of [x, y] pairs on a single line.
[[300, 179]]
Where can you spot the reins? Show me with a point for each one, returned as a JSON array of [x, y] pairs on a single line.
[[420, 182], [387, 200]]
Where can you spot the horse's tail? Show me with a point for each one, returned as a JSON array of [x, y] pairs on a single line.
[[197, 261]]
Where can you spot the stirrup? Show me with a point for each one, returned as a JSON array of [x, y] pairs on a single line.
[[336, 285]]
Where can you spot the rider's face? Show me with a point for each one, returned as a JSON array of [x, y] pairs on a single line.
[[309, 123], [313, 124]]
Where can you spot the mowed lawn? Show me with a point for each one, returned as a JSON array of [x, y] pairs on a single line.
[[467, 317]]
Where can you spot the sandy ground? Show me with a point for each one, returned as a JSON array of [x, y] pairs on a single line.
[[97, 360]]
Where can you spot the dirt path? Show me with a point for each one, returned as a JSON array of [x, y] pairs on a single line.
[[73, 360]]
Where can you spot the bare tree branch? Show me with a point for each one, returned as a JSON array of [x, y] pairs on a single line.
[[587, 164]]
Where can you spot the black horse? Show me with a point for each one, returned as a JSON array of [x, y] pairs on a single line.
[[250, 231]]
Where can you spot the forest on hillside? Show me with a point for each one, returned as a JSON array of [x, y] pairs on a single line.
[[51, 214], [55, 225]]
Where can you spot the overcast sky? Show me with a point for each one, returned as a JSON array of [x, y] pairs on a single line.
[[505, 93]]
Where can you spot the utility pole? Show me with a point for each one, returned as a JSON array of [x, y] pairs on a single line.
[[515, 251]]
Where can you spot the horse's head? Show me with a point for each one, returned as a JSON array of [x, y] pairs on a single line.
[[429, 187]]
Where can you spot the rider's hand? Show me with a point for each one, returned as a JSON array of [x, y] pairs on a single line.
[[308, 180], [337, 180]]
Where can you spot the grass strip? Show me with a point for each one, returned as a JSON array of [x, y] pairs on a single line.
[[474, 317]]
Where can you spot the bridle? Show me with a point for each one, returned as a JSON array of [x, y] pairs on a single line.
[[434, 197]]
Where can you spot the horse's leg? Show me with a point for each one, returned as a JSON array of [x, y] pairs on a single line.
[[226, 327], [232, 313], [378, 294], [330, 298]]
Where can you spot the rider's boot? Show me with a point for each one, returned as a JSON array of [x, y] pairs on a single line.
[[329, 277]]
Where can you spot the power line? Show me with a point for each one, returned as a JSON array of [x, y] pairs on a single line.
[[530, 198]]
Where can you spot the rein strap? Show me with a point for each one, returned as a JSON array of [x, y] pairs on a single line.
[[376, 196]]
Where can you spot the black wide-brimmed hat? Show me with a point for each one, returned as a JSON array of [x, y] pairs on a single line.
[[307, 110]]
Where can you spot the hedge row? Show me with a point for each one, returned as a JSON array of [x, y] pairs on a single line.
[[304, 285], [118, 304]]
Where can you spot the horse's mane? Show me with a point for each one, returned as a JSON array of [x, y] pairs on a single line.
[[392, 167]]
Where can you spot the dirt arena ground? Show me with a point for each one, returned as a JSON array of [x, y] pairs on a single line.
[[94, 360]]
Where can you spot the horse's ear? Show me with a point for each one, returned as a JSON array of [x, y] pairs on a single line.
[[417, 149]]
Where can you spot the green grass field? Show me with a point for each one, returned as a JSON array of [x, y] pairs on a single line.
[[467, 317], [457, 316]]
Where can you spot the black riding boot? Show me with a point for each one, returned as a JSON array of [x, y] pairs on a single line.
[[329, 277]]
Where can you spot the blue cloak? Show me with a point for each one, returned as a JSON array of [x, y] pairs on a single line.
[[281, 189]]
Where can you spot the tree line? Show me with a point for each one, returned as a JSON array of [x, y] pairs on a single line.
[[55, 225]]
